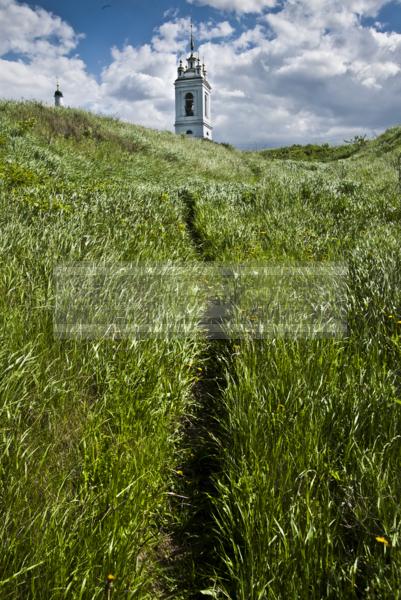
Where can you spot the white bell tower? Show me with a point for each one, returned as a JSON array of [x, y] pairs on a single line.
[[58, 96], [192, 98]]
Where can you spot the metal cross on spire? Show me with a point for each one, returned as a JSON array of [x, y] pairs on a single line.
[[192, 38]]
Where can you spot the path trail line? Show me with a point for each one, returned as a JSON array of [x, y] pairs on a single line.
[[193, 558]]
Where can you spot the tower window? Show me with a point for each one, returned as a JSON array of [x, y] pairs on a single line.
[[189, 105], [189, 132], [206, 106]]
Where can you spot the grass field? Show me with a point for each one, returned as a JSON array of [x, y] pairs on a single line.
[[246, 469]]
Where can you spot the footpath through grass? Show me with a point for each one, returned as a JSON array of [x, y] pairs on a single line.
[[251, 469]]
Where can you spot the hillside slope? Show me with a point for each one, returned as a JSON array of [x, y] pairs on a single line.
[[187, 466], [387, 142], [88, 147]]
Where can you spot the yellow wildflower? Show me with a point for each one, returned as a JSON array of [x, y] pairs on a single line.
[[382, 540]]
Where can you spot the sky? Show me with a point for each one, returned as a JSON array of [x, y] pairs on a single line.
[[282, 71]]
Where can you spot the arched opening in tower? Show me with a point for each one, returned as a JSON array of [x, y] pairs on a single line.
[[189, 105]]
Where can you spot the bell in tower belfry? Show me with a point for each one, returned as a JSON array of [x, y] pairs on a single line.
[[192, 98]]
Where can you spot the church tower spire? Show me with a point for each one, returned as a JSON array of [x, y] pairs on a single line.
[[58, 96], [192, 97], [192, 39]]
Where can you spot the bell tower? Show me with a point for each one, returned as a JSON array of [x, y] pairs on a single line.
[[192, 98], [58, 96]]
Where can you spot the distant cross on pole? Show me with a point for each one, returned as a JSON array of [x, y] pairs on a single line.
[[192, 38]]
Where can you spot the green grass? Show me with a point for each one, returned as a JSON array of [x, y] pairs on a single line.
[[245, 469], [312, 152]]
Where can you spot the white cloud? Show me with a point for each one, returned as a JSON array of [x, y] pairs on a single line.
[[171, 13], [390, 40], [371, 74], [312, 71], [209, 31], [239, 6], [172, 36], [42, 42], [33, 31], [225, 93], [316, 64], [36, 80], [250, 38], [138, 85]]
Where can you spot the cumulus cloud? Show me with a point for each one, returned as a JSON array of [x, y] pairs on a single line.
[[40, 43], [36, 79], [138, 84], [239, 6], [332, 42], [33, 31], [209, 30], [310, 71], [171, 36]]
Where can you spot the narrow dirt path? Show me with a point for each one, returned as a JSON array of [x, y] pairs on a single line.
[[193, 557]]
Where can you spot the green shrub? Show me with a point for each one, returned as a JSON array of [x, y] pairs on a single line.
[[13, 175]]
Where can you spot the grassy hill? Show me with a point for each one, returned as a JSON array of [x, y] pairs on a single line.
[[359, 146], [190, 467]]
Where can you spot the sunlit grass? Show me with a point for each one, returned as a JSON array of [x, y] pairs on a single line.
[[306, 433]]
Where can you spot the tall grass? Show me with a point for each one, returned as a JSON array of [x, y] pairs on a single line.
[[306, 502], [113, 452], [89, 428]]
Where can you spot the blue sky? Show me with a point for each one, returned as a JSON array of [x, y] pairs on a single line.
[[282, 71], [133, 22], [123, 21], [390, 16], [108, 23]]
